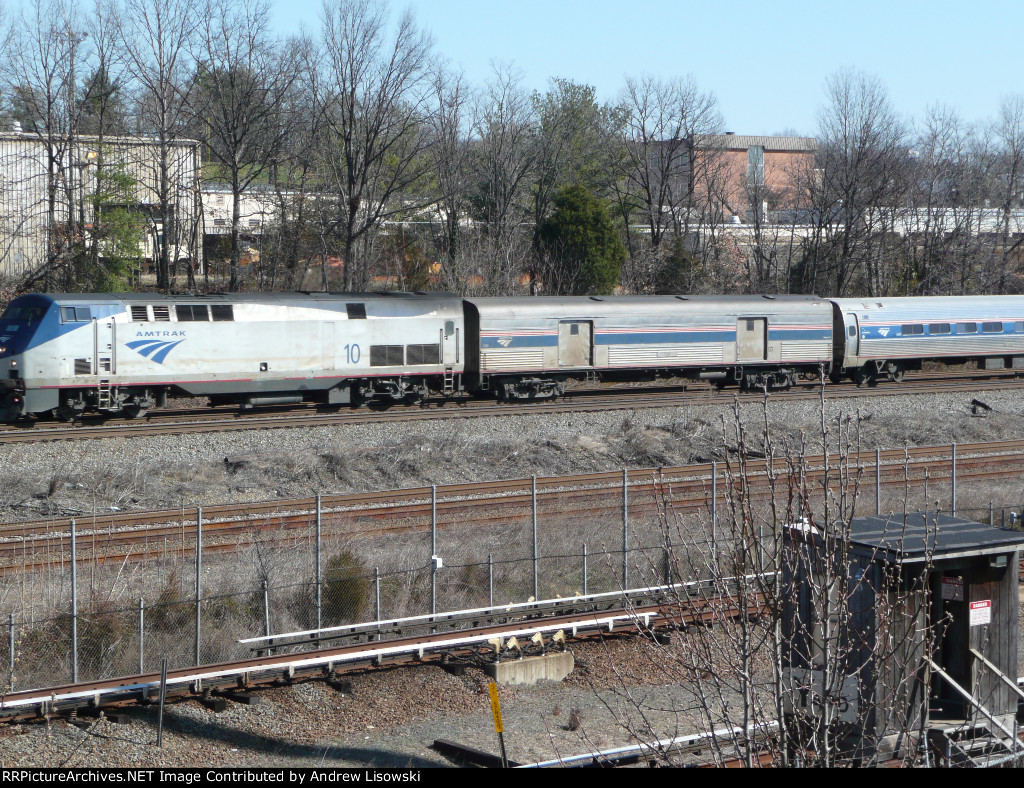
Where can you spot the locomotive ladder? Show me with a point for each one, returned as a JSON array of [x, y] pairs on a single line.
[[103, 394], [449, 380]]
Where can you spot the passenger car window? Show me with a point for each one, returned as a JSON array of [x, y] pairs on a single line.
[[992, 328], [938, 328], [967, 328], [912, 329]]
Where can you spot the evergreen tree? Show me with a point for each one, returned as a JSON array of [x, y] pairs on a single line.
[[581, 250]]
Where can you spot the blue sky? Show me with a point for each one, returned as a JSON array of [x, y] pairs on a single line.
[[765, 61]]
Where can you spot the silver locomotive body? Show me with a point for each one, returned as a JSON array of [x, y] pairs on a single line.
[[127, 352], [527, 347], [887, 336]]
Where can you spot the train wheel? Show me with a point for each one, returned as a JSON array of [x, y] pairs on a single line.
[[896, 373]]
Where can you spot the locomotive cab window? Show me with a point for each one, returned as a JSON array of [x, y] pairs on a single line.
[[356, 311], [222, 312], [449, 327], [938, 328], [76, 314], [967, 328], [912, 329], [992, 328]]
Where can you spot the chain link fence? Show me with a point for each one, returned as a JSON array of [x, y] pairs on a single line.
[[313, 567]]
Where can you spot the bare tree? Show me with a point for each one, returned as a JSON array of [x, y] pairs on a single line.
[[241, 99], [450, 157], [1009, 132], [157, 36], [373, 94], [505, 158], [46, 55], [856, 187], [665, 121]]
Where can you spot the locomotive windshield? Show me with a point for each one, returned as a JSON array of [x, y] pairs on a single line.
[[23, 314]]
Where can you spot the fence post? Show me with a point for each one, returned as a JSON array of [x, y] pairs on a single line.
[[10, 646], [376, 598], [433, 549], [318, 574], [74, 604], [714, 514], [878, 482], [625, 529], [490, 581], [585, 591], [952, 496], [991, 514], [142, 636], [266, 609], [163, 698], [199, 582], [533, 494]]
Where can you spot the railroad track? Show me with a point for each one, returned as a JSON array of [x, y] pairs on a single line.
[[141, 535], [178, 422], [440, 638]]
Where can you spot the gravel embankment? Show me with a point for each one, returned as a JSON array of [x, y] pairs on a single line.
[[63, 479], [387, 718]]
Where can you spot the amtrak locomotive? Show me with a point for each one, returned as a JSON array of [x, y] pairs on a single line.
[[66, 355]]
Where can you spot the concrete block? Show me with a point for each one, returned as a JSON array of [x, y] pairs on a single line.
[[529, 670]]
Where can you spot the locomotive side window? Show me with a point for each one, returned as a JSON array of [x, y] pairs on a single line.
[[191, 312], [913, 329], [75, 314], [992, 328], [387, 355], [140, 313], [422, 354], [967, 328], [222, 312], [161, 313], [356, 311], [938, 328]]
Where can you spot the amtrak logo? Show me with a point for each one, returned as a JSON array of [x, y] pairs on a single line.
[[154, 349], [884, 332], [505, 341]]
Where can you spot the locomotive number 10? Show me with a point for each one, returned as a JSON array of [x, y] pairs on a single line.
[[352, 354]]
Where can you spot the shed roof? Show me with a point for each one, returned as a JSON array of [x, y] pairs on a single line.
[[921, 536]]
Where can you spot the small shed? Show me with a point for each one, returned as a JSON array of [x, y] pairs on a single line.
[[903, 624]]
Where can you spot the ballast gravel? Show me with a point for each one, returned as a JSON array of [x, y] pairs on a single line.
[[97, 476], [386, 718]]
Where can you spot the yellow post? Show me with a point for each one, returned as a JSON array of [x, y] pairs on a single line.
[[496, 711]]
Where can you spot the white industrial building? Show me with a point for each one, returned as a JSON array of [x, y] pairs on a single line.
[[46, 184]]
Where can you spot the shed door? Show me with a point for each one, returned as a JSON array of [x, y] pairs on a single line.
[[575, 343], [752, 339]]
